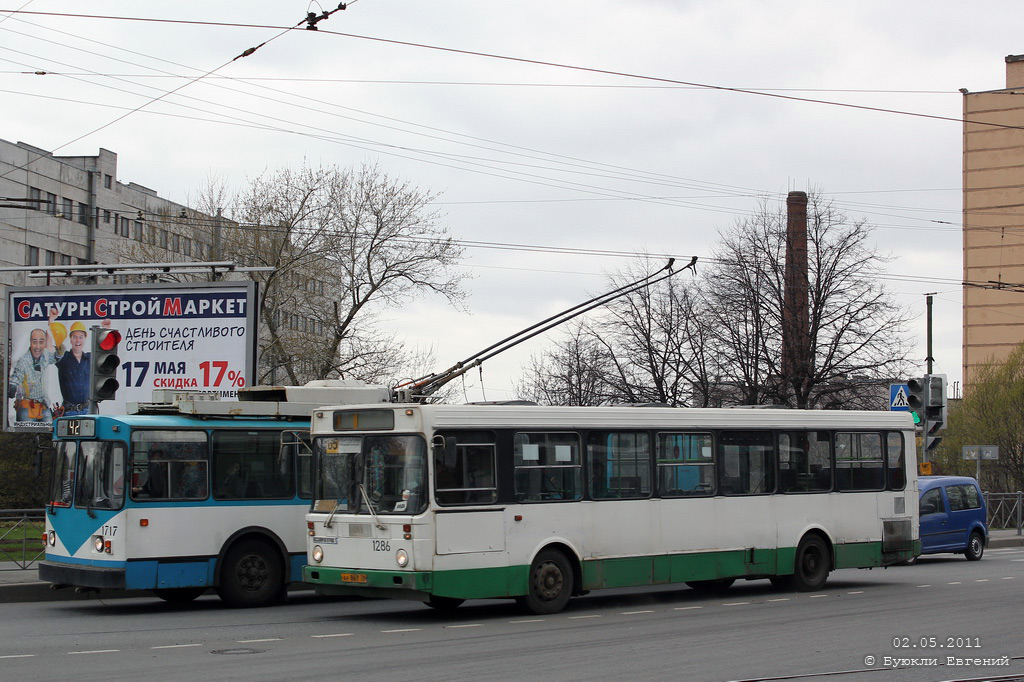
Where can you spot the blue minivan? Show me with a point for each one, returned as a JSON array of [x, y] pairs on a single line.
[[953, 516]]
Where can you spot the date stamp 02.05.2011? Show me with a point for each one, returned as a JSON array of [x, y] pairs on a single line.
[[928, 651]]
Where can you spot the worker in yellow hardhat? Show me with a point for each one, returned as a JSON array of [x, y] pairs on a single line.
[[73, 369]]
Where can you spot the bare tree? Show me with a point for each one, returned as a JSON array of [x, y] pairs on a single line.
[[857, 334], [573, 371], [342, 246], [718, 341]]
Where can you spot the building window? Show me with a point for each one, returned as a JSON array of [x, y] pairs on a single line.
[[51, 257], [35, 196], [138, 231], [65, 259], [108, 181], [68, 209], [174, 242], [186, 246], [163, 239], [51, 203], [83, 213], [33, 255], [106, 216]]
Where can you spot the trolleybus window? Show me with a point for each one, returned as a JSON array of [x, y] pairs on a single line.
[[805, 461], [250, 465], [169, 465], [619, 465], [464, 474], [859, 461], [686, 464], [547, 466], [897, 477], [747, 462], [100, 475], [63, 482]]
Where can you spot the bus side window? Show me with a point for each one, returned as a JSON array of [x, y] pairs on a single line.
[[547, 467], [686, 465], [469, 476]]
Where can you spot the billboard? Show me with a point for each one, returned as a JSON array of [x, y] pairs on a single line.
[[194, 336]]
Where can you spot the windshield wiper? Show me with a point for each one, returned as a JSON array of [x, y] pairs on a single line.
[[373, 512], [330, 517]]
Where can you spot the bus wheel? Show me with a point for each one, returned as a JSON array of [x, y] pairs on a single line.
[[711, 586], [811, 566], [444, 604], [180, 595], [251, 575], [975, 547], [550, 583]]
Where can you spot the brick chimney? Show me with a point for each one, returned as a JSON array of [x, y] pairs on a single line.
[[1014, 71]]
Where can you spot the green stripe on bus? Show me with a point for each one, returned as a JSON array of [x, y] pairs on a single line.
[[511, 581]]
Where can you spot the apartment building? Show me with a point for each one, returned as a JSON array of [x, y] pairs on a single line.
[[993, 221]]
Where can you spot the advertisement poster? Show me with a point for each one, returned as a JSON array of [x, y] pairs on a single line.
[[185, 337]]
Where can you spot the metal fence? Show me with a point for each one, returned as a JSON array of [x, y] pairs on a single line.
[[21, 538], [1005, 510]]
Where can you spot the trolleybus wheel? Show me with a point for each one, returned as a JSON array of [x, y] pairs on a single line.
[[975, 547], [444, 603], [251, 575], [550, 583], [711, 586], [179, 595], [810, 570]]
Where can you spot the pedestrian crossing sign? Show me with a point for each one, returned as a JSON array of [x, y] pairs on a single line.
[[899, 398]]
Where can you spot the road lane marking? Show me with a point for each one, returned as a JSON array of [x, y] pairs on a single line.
[[18, 656], [1009, 577], [254, 641], [388, 632], [924, 585], [856, 592], [634, 613], [174, 646], [955, 582], [465, 625], [595, 615], [96, 651], [687, 608], [528, 620], [340, 634], [736, 603], [779, 599], [981, 580], [817, 596]]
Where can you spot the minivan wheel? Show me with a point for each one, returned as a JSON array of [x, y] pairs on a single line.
[[975, 547]]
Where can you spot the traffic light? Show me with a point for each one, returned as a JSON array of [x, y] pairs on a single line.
[[103, 364], [935, 410], [918, 389]]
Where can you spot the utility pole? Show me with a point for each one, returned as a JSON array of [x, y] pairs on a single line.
[[928, 305]]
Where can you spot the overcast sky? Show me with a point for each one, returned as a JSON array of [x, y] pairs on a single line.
[[538, 154]]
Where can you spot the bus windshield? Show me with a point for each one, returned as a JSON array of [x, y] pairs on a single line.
[[100, 475], [386, 472]]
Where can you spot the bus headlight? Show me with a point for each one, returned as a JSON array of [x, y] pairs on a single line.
[[318, 553], [402, 557], [97, 542], [52, 538]]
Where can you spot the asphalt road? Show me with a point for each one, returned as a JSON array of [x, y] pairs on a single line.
[[971, 609]]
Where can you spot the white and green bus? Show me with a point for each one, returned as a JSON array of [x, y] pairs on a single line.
[[443, 503]]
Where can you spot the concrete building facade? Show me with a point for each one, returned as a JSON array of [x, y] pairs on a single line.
[[993, 221], [73, 210]]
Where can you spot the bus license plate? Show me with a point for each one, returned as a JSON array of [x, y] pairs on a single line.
[[353, 577]]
